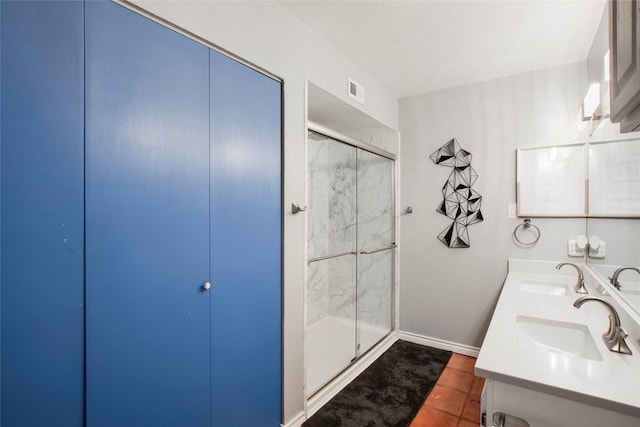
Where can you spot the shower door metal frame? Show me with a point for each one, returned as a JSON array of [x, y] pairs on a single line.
[[330, 133], [339, 137]]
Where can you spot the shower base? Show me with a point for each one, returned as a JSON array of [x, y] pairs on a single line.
[[331, 347]]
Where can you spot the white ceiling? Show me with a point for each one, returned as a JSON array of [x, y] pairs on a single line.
[[414, 47]]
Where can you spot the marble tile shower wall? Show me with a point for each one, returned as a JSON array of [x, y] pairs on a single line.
[[331, 289], [331, 229], [332, 198], [375, 231], [350, 195], [374, 289], [375, 201]]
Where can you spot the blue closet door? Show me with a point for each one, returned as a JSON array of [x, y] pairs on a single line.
[[246, 245], [42, 219], [147, 210]]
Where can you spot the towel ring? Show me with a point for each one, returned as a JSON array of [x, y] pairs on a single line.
[[526, 225]]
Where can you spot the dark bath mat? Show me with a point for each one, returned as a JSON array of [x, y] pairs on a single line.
[[387, 394]]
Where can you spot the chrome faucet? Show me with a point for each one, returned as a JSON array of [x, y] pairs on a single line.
[[614, 279], [579, 288], [615, 335]]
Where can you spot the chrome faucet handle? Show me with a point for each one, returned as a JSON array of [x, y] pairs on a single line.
[[615, 283], [579, 288], [614, 337], [617, 343], [614, 278]]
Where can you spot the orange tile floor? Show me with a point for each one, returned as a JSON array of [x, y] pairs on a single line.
[[455, 399]]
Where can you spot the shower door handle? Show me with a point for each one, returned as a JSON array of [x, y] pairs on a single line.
[[373, 251], [321, 258]]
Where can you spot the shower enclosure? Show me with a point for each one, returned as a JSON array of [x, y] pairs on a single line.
[[349, 290]]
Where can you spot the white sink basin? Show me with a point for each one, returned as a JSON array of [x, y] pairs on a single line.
[[572, 339], [545, 288]]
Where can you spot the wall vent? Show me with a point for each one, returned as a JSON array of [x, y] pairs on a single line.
[[356, 90]]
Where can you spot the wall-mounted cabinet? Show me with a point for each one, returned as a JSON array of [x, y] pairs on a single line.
[[163, 157], [624, 46]]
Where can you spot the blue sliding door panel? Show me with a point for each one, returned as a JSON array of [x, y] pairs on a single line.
[[42, 223], [147, 231], [245, 245], [0, 215]]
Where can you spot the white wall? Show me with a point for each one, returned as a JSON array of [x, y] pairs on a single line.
[[265, 34], [449, 294]]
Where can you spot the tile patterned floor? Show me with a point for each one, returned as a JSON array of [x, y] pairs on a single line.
[[455, 399]]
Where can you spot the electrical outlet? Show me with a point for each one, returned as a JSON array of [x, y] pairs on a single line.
[[597, 247], [598, 252], [573, 249]]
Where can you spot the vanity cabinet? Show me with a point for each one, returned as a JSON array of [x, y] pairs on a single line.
[[526, 403], [624, 48], [540, 351], [141, 225]]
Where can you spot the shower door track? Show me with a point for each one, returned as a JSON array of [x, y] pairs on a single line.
[[317, 128]]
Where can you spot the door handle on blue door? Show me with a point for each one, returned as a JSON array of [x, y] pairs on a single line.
[[206, 286]]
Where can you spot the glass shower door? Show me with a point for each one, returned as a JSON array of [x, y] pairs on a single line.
[[350, 241], [376, 240], [331, 260]]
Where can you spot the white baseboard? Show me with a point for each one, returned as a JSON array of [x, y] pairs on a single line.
[[318, 400], [296, 421], [467, 350]]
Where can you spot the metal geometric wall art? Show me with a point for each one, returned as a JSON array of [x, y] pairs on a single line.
[[460, 202]]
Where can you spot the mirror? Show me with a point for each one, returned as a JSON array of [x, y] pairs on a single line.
[[614, 186], [614, 178], [621, 235], [596, 179], [622, 250], [551, 181]]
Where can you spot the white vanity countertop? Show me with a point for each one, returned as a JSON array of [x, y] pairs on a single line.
[[508, 355]]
